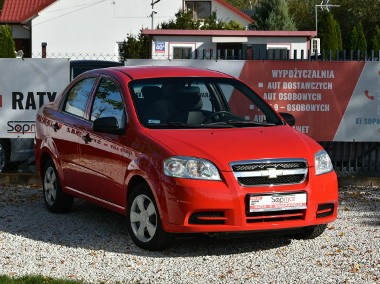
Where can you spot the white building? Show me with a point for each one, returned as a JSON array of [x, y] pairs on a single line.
[[93, 29], [224, 44]]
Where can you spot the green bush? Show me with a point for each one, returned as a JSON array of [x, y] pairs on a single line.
[[7, 44]]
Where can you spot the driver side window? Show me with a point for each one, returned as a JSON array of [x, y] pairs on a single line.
[[108, 102]]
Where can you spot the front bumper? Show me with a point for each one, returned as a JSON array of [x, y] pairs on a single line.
[[222, 206]]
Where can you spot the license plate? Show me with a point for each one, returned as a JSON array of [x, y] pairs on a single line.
[[274, 202]]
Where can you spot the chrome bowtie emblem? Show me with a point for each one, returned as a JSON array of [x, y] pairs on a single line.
[[273, 172]]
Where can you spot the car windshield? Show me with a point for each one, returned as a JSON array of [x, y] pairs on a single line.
[[197, 102]]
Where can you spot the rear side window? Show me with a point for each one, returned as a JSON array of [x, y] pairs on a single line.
[[76, 99], [108, 102]]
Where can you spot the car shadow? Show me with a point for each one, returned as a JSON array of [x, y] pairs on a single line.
[[91, 227], [361, 202]]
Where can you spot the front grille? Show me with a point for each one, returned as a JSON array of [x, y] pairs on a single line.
[[274, 181], [259, 165], [276, 216], [270, 172]]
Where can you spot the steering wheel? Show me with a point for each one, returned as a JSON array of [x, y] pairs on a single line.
[[215, 116]]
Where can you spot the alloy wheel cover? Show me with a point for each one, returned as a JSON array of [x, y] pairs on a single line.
[[50, 186], [143, 218]]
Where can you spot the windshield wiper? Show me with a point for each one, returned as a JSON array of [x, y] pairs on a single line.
[[169, 125], [243, 123], [218, 124], [179, 125]]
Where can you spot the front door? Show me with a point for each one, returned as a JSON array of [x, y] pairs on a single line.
[[102, 156]]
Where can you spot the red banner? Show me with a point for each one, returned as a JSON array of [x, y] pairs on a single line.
[[316, 93]]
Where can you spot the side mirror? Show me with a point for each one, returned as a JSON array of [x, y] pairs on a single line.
[[106, 125], [289, 118]]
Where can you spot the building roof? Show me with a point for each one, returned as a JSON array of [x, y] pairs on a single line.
[[230, 33], [234, 10], [20, 11], [248, 12]]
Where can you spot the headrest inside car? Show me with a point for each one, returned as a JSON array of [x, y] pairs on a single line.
[[151, 93], [190, 99]]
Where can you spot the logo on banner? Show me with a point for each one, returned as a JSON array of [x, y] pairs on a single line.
[[21, 127], [160, 47]]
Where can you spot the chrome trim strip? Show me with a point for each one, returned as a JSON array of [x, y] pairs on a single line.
[[271, 174], [269, 161]]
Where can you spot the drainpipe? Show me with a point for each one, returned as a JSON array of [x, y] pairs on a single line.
[[43, 46]]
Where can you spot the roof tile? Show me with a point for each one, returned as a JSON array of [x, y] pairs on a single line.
[[19, 11]]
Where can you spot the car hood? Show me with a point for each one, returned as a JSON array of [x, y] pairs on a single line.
[[222, 146]]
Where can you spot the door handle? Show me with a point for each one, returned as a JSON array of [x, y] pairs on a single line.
[[55, 127], [86, 138]]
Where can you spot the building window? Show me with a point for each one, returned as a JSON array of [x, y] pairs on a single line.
[[277, 53], [201, 9], [231, 50], [181, 52]]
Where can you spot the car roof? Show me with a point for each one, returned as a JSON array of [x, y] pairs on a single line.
[[143, 72]]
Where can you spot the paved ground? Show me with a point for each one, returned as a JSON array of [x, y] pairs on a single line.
[[92, 244]]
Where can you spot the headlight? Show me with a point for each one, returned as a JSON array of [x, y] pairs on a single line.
[[322, 163], [189, 167]]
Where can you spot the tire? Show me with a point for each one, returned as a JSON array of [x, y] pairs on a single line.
[[4, 156], [55, 199], [312, 232], [143, 220]]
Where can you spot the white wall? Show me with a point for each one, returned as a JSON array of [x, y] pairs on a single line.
[[95, 26]]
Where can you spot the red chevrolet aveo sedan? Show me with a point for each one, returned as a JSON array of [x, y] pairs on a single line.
[[181, 150]]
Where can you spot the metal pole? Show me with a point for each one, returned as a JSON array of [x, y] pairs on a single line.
[[316, 19], [151, 15], [324, 5], [153, 12]]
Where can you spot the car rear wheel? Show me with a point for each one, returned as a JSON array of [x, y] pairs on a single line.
[[56, 200], [4, 156], [312, 232], [143, 220]]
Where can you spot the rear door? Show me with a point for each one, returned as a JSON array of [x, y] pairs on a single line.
[[66, 129]]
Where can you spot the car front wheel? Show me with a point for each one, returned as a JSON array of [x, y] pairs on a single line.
[[143, 220], [55, 199]]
